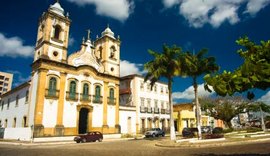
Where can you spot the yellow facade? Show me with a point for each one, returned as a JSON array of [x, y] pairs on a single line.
[[91, 72], [184, 116]]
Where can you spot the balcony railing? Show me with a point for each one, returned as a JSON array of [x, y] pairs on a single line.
[[168, 111], [149, 109], [163, 111], [85, 98], [72, 96], [51, 94], [97, 99], [156, 110], [111, 101], [143, 109]]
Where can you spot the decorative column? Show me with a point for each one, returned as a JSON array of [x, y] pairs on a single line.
[[59, 127], [39, 105], [105, 127], [117, 126]]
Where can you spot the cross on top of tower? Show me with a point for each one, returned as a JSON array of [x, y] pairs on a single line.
[[88, 34]]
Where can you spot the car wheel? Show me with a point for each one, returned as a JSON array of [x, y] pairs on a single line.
[[83, 140], [163, 135], [100, 140], [77, 141], [153, 135]]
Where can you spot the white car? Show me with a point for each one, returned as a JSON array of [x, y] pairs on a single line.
[[155, 132]]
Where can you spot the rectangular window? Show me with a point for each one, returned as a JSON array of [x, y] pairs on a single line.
[[26, 96], [161, 89], [17, 101], [2, 105], [5, 84], [6, 79], [141, 85], [8, 103], [142, 102]]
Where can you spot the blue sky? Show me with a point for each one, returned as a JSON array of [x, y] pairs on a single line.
[[142, 25]]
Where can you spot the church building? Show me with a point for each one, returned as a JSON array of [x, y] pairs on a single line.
[[67, 95]]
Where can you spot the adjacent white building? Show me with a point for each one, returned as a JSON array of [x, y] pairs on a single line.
[[142, 108]]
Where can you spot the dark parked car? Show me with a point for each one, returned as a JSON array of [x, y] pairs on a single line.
[[154, 132], [89, 137], [189, 132]]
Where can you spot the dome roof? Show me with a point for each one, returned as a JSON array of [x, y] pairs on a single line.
[[56, 8], [108, 32]]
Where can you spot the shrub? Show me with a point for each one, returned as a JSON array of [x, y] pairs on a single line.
[[229, 130], [213, 136], [217, 130]]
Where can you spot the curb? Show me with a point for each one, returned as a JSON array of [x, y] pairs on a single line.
[[212, 144]]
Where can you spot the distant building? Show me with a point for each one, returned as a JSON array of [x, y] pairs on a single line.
[[142, 108], [5, 82], [184, 116]]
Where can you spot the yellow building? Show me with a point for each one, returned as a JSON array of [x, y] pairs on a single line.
[[67, 95], [184, 116]]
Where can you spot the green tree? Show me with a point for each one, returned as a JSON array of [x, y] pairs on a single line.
[[164, 65], [224, 108], [195, 65], [253, 73]]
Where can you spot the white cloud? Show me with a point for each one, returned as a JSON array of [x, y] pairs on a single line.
[[188, 94], [170, 3], [265, 98], [117, 9], [13, 47], [128, 68], [71, 41], [215, 12], [255, 6]]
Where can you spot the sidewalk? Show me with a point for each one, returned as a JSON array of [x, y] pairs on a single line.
[[28, 143], [195, 143]]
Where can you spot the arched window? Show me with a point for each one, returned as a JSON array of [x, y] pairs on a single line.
[[85, 95], [6, 123], [112, 52], [97, 94], [52, 86], [100, 52], [111, 97], [24, 124], [72, 90], [111, 93], [14, 122], [57, 31]]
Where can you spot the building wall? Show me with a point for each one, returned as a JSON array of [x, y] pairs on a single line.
[[5, 82], [17, 110], [140, 90], [126, 114]]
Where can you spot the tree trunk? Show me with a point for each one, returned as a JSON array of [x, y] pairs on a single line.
[[262, 120], [172, 130], [198, 109], [229, 124]]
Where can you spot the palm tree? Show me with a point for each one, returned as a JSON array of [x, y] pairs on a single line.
[[164, 65], [194, 65]]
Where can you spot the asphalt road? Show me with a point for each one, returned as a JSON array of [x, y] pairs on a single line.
[[133, 148]]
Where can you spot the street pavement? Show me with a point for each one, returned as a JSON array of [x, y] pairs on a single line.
[[134, 147]]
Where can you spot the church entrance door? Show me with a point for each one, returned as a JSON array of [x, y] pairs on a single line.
[[83, 120]]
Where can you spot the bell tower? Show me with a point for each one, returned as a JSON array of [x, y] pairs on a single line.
[[107, 49], [52, 35]]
